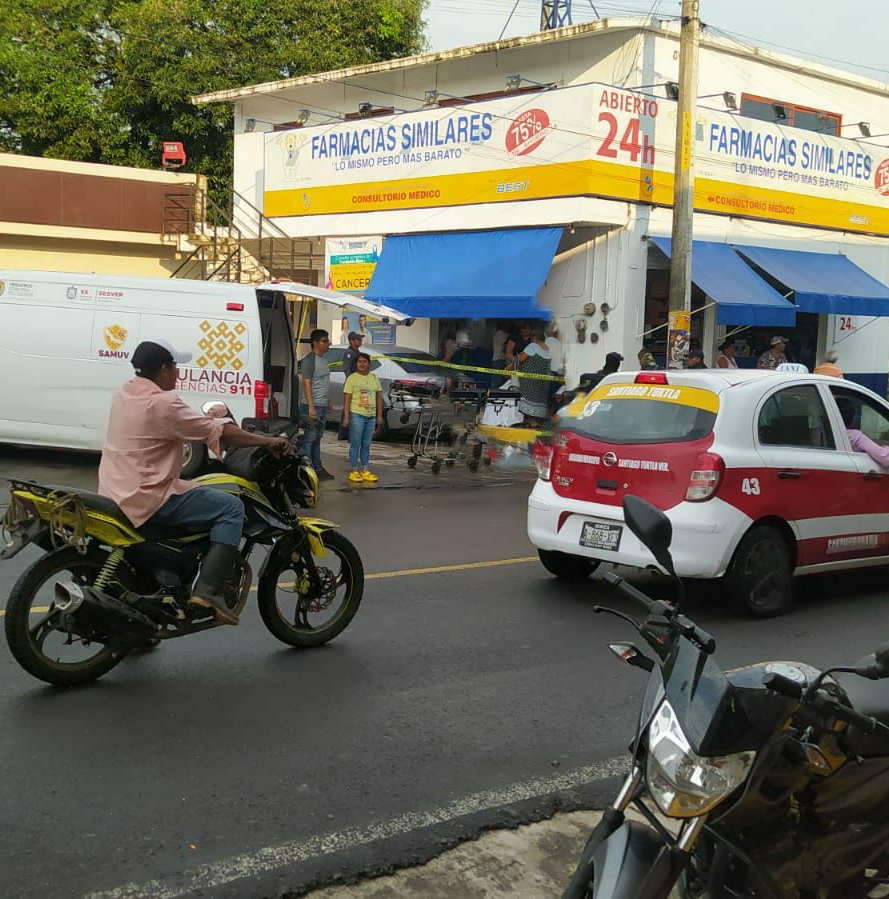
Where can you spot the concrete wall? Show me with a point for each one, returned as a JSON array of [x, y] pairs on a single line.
[[57, 215]]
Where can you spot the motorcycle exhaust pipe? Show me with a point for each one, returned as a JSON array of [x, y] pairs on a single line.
[[68, 597]]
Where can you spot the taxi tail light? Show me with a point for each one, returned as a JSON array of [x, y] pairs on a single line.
[[543, 459], [652, 377], [261, 399], [706, 477]]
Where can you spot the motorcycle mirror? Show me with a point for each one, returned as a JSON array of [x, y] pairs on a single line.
[[652, 527], [630, 654], [880, 668], [216, 409]]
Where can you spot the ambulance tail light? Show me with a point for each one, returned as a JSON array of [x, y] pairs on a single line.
[[261, 396], [704, 481], [543, 460]]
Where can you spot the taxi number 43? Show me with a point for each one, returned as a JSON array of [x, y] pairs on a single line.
[[750, 486]]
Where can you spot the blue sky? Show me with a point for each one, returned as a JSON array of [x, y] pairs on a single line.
[[850, 35]]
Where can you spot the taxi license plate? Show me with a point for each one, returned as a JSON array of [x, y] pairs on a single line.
[[594, 535]]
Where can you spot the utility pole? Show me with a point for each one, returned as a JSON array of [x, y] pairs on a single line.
[[684, 181]]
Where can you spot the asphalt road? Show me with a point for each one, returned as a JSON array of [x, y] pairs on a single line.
[[459, 699]]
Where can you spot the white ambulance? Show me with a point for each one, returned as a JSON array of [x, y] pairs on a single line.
[[66, 341]]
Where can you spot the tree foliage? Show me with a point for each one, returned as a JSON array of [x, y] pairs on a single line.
[[108, 80]]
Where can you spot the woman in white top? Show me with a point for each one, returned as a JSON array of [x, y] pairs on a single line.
[[726, 357]]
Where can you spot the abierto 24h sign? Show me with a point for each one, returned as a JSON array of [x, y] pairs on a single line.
[[589, 140]]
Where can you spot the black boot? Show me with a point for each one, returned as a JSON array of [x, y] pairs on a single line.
[[216, 568]]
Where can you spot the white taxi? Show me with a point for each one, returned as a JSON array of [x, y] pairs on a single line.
[[755, 470]]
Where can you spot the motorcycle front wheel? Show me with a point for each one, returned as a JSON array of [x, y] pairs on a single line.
[[299, 616], [32, 623]]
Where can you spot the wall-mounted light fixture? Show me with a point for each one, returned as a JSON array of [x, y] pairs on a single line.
[[730, 99], [863, 127], [430, 98], [249, 125], [303, 116], [780, 112], [365, 109], [514, 82], [671, 88]]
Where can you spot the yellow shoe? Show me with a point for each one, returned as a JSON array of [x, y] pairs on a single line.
[[356, 477], [369, 476]]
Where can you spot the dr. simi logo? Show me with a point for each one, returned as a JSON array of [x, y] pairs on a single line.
[[115, 337]]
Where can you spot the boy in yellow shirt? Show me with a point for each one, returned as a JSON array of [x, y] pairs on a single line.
[[362, 415]]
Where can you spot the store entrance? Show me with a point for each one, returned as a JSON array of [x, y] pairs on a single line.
[[802, 341]]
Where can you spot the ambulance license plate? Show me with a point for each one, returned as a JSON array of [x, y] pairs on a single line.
[[594, 535]]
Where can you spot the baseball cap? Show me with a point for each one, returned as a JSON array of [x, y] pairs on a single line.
[[150, 355], [354, 335], [777, 339], [614, 357]]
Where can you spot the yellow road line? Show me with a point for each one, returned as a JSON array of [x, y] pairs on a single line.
[[405, 572], [464, 566]]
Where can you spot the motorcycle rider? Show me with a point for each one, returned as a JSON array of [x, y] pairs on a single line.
[[142, 458]]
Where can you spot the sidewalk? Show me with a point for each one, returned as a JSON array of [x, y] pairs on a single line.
[[532, 862], [389, 460]]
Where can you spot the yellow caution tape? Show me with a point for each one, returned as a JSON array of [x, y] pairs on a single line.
[[512, 435], [439, 363]]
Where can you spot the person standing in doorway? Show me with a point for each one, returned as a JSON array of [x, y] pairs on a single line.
[[498, 354], [350, 356], [726, 357], [829, 365], [589, 380], [315, 373], [362, 415], [695, 359], [774, 355]]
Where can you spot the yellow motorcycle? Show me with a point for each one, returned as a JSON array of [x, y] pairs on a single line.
[[105, 588]]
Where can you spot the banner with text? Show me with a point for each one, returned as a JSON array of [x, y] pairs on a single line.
[[589, 140]]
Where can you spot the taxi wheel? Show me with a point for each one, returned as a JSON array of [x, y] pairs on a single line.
[[761, 572], [567, 567]]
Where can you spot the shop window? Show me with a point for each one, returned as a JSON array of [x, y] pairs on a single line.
[[791, 114]]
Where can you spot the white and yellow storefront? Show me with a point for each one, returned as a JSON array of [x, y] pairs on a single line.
[[590, 163]]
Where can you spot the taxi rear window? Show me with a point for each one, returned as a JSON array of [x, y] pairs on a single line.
[[642, 413]]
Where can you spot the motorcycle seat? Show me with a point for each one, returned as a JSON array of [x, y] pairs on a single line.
[[869, 697], [152, 533]]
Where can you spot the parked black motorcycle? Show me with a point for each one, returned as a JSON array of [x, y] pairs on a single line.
[[770, 781], [104, 588]]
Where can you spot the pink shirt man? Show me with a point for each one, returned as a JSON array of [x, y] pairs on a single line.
[[142, 455]]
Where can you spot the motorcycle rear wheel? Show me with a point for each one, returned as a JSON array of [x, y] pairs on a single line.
[[286, 612], [29, 621]]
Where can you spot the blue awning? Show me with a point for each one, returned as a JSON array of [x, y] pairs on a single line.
[[471, 274], [742, 297], [823, 282]]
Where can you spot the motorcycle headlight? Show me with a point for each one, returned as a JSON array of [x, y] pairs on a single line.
[[682, 783]]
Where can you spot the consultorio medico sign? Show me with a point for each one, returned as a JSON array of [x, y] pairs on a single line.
[[588, 140]]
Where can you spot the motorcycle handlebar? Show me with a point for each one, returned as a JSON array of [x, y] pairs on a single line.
[[685, 626], [628, 590], [865, 723]]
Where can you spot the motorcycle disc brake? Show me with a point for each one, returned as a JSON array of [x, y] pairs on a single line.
[[301, 585]]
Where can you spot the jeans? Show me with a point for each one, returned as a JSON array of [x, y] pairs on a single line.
[[314, 431], [361, 432], [204, 507]]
